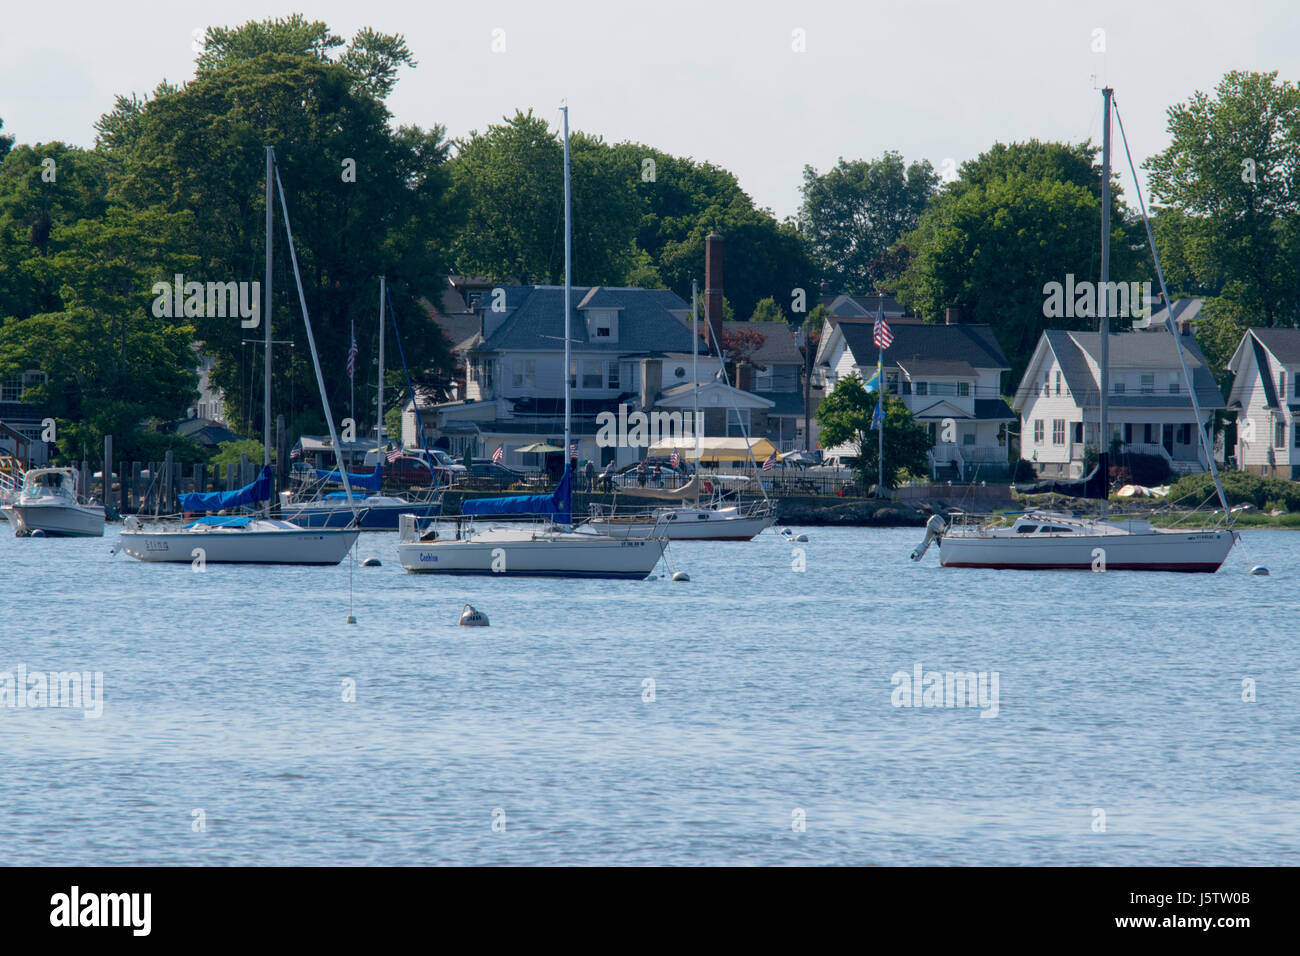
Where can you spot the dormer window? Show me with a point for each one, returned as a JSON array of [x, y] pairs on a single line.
[[602, 325]]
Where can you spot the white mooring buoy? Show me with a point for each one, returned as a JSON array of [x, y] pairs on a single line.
[[472, 617], [371, 563], [786, 531], [1259, 569], [681, 576], [802, 537]]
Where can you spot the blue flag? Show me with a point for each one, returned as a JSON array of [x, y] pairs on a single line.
[[878, 416]]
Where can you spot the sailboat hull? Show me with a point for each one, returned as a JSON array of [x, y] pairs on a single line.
[[552, 556], [373, 517], [1197, 551], [689, 524], [240, 547]]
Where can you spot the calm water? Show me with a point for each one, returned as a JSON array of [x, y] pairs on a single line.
[[772, 693]]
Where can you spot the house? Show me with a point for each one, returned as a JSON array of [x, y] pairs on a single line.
[[846, 306], [23, 419], [1149, 410], [949, 376], [1266, 397], [211, 404], [774, 372], [630, 348]]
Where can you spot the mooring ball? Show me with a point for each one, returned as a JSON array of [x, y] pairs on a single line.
[[371, 563], [38, 533], [1259, 569], [802, 537], [681, 576], [472, 617]]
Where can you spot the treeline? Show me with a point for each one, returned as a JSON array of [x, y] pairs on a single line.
[[174, 185]]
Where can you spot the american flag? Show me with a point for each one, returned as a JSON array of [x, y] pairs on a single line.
[[573, 450], [295, 452], [770, 463], [499, 454], [393, 455], [880, 334], [352, 355], [675, 459]]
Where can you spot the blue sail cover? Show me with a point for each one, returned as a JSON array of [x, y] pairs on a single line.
[[557, 506], [259, 490], [369, 482]]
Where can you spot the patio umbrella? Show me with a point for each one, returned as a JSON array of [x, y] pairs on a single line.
[[538, 448]]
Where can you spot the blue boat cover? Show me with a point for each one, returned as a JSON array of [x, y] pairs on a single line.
[[557, 506], [259, 490], [369, 482], [220, 521], [342, 496]]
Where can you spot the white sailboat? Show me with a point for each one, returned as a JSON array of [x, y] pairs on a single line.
[[550, 548], [675, 518], [49, 502], [246, 539], [1047, 541]]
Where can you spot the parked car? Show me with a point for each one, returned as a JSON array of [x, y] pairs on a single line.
[[408, 471], [502, 474], [627, 475]]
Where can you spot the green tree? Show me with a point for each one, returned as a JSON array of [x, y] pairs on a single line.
[[856, 210], [1229, 182], [844, 417], [365, 199], [6, 142], [768, 311], [1017, 218]]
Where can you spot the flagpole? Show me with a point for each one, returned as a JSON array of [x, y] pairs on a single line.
[[880, 431]]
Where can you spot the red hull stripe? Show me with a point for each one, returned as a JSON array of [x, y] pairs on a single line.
[[1209, 567]]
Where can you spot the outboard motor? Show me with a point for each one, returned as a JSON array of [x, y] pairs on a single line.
[[934, 529]]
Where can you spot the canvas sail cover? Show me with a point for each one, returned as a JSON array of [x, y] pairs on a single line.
[[687, 492], [369, 482], [1095, 484], [557, 506], [259, 490]]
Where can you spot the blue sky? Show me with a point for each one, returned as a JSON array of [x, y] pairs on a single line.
[[720, 81]]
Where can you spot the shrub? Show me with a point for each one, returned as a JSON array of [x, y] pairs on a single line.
[[1239, 487]]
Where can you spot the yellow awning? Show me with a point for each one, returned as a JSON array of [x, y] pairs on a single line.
[[717, 449]]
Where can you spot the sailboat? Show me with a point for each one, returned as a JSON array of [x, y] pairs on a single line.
[[681, 516], [1043, 540], [247, 539], [549, 548], [373, 511]]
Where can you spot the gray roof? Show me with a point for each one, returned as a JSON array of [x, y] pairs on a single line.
[[920, 341], [994, 408], [1283, 343], [460, 329], [1152, 350], [778, 346], [862, 306], [536, 320], [784, 404]]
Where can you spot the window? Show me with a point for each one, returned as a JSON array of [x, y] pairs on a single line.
[[593, 374], [1058, 431], [891, 382], [737, 421], [968, 438], [963, 388], [517, 377], [1128, 433], [1146, 434], [1281, 384], [530, 372], [1295, 441], [1279, 433], [1173, 383], [1038, 431], [1295, 384], [602, 331], [1047, 381], [907, 386], [922, 388], [1184, 436], [12, 389], [1118, 387], [573, 373], [611, 371], [1027, 529], [1148, 383], [1058, 383]]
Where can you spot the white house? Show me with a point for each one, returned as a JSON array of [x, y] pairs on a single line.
[[1266, 396], [949, 376], [1149, 409]]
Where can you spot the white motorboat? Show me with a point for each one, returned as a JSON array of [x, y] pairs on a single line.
[[1042, 540], [238, 540], [48, 502], [249, 539], [686, 522], [1047, 541], [551, 548]]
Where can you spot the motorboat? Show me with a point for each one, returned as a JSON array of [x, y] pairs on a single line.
[[48, 502]]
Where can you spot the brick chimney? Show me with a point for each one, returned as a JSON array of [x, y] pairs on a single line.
[[745, 377], [713, 288], [952, 315]]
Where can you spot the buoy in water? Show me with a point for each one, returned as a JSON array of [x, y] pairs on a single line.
[[371, 563], [681, 576], [351, 619], [472, 617], [38, 533], [802, 537], [1259, 569], [786, 531]]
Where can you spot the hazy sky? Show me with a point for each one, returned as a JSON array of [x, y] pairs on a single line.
[[718, 81]]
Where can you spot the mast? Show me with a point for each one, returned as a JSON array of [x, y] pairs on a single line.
[[695, 368], [567, 261], [266, 323], [379, 403], [1103, 303]]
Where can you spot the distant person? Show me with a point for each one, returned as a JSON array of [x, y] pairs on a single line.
[[607, 477], [659, 476], [641, 473], [590, 473]]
